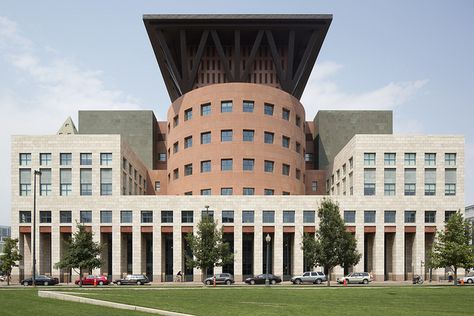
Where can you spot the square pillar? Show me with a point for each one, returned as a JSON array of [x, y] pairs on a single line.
[[258, 249], [157, 263], [136, 248], [298, 257], [116, 252], [55, 250], [277, 251], [177, 250], [238, 253], [379, 251]]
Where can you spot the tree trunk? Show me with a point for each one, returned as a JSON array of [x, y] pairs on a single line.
[[8, 279], [80, 277], [455, 276], [329, 276]]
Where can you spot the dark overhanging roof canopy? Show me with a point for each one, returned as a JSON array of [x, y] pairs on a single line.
[[299, 35]]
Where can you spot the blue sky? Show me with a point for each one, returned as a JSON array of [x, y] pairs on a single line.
[[413, 57]]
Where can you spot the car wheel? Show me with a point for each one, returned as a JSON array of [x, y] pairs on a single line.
[[297, 281], [252, 282], [228, 282], [139, 283], [318, 281], [101, 283], [469, 281], [366, 281], [46, 283], [119, 283], [26, 283], [208, 282], [274, 282]]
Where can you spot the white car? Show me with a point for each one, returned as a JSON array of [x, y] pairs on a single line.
[[469, 278]]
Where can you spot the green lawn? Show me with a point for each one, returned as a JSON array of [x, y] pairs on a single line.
[[299, 300], [21, 301]]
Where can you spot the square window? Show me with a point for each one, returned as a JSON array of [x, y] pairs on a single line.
[[288, 216], [65, 159], [162, 157], [45, 159], [205, 109], [147, 216], [166, 216], [226, 164], [207, 214], [25, 217], [248, 191], [206, 166], [285, 169], [248, 106], [226, 191], [268, 137], [268, 192], [268, 165], [86, 159], [248, 164], [126, 217], [349, 216], [308, 157], [206, 138], [309, 216], [106, 217], [85, 217], [450, 159], [430, 159], [188, 142], [248, 135], [25, 159], [448, 214], [187, 216], [188, 114], [369, 159], [188, 169], [430, 216], [268, 217], [369, 216], [410, 159], [226, 135], [390, 159], [226, 106], [45, 217], [106, 159], [285, 141], [206, 192], [247, 216], [268, 109], [285, 114], [227, 216], [390, 216], [410, 216]]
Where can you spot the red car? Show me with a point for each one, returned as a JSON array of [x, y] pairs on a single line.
[[89, 280]]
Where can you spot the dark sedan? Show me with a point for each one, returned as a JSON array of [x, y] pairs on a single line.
[[260, 279], [135, 279], [40, 280]]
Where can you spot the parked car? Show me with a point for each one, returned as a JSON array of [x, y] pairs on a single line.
[[222, 278], [137, 279], [356, 277], [468, 278], [40, 280], [2, 278], [309, 277], [260, 279], [89, 280]]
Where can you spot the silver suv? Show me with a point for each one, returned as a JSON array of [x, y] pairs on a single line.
[[356, 277], [309, 277]]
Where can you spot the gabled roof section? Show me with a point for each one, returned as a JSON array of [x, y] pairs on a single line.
[[68, 127], [290, 41]]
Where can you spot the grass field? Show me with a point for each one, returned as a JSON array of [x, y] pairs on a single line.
[[254, 301]]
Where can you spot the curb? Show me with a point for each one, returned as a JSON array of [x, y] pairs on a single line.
[[67, 297]]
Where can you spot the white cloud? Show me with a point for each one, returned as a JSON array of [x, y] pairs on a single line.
[[322, 92], [45, 90]]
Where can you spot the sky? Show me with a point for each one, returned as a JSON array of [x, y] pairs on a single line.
[[412, 57]]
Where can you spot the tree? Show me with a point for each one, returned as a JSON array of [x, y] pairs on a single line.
[[208, 247], [81, 253], [332, 245], [10, 257], [452, 246]]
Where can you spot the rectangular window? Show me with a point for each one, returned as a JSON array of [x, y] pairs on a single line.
[[146, 216], [308, 157], [298, 174], [268, 109], [389, 181], [188, 142], [298, 121], [105, 159], [297, 147], [410, 181], [268, 165], [268, 192], [288, 216], [206, 138], [248, 106], [162, 157], [45, 217], [188, 169], [25, 182], [248, 191], [157, 186], [187, 216], [285, 169], [410, 159], [175, 147], [106, 181], [106, 217], [188, 114], [205, 109], [285, 141], [285, 193], [248, 164], [65, 217], [227, 216], [285, 114], [450, 182], [390, 216], [410, 216], [349, 216], [309, 216], [85, 217], [226, 191], [268, 217], [45, 182], [226, 106], [65, 159], [188, 193], [175, 121], [369, 159], [25, 159], [206, 166], [450, 159], [206, 192], [226, 164], [226, 135], [430, 159], [430, 181], [268, 137], [369, 216], [166, 216], [314, 186], [448, 214], [86, 159], [207, 214], [248, 135], [369, 181], [247, 216], [389, 159], [430, 216], [45, 159], [25, 217], [86, 181], [176, 173]]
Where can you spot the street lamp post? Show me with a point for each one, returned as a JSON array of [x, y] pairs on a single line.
[[267, 239], [36, 173]]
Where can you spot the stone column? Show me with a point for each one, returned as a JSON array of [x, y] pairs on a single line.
[[177, 250], [55, 250], [136, 246], [359, 235], [419, 249], [399, 254], [116, 252], [277, 250], [238, 252], [378, 251], [297, 251], [258, 249], [95, 237]]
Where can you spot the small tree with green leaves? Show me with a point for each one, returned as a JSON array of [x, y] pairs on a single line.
[[208, 247], [81, 253], [10, 257], [452, 246], [332, 245]]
